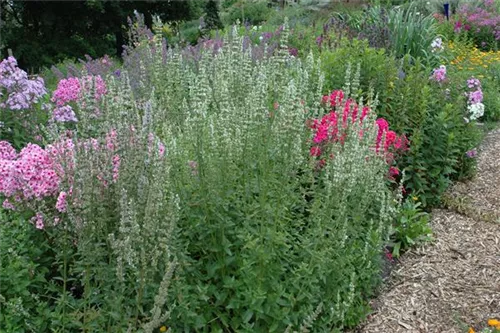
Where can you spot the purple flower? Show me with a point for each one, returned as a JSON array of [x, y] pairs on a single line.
[[439, 74], [473, 83], [471, 153], [319, 40], [64, 114], [21, 92], [293, 51], [476, 96], [401, 74]]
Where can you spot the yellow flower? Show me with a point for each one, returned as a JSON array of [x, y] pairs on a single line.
[[414, 198], [494, 323], [163, 329], [471, 330]]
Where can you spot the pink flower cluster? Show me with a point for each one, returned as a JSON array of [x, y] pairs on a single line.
[[35, 174], [21, 92], [475, 94], [439, 74], [333, 126], [31, 174], [64, 114], [475, 99], [71, 90], [68, 90]]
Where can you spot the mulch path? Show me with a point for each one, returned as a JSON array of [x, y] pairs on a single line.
[[454, 282]]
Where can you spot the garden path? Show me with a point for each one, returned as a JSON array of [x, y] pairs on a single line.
[[452, 283]]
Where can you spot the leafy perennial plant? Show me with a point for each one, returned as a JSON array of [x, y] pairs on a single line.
[[211, 174]]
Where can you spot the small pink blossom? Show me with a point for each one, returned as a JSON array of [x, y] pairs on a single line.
[[61, 203], [194, 167], [315, 151], [38, 221], [161, 150], [8, 205], [439, 74], [116, 167]]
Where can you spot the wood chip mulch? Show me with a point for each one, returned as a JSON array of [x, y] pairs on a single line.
[[452, 283]]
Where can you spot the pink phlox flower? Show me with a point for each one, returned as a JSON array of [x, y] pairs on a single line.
[[439, 74], [61, 203], [38, 220], [116, 167], [8, 205]]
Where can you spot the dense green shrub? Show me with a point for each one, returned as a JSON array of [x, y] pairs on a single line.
[[261, 235], [25, 267], [253, 12], [377, 68], [432, 115]]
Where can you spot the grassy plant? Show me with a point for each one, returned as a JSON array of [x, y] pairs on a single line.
[[405, 30]]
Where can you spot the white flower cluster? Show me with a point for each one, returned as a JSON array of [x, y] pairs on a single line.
[[476, 111], [437, 45]]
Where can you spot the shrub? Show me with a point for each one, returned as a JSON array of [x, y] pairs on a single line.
[[254, 12], [432, 114], [25, 267], [212, 173], [245, 236], [377, 68], [482, 22]]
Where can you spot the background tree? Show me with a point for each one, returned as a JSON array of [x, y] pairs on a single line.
[[41, 33], [212, 18]]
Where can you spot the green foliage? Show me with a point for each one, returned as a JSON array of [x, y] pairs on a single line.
[[409, 31], [40, 34], [262, 239], [253, 12], [25, 266], [411, 227], [377, 68], [265, 237], [432, 115], [212, 19]]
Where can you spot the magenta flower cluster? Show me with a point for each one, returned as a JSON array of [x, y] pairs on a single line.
[[64, 113], [333, 127], [475, 94], [17, 91], [474, 99]]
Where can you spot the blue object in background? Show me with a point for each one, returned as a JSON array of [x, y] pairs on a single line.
[[447, 11]]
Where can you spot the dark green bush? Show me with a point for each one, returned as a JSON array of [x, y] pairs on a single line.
[[25, 264], [252, 12], [378, 69], [432, 115]]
